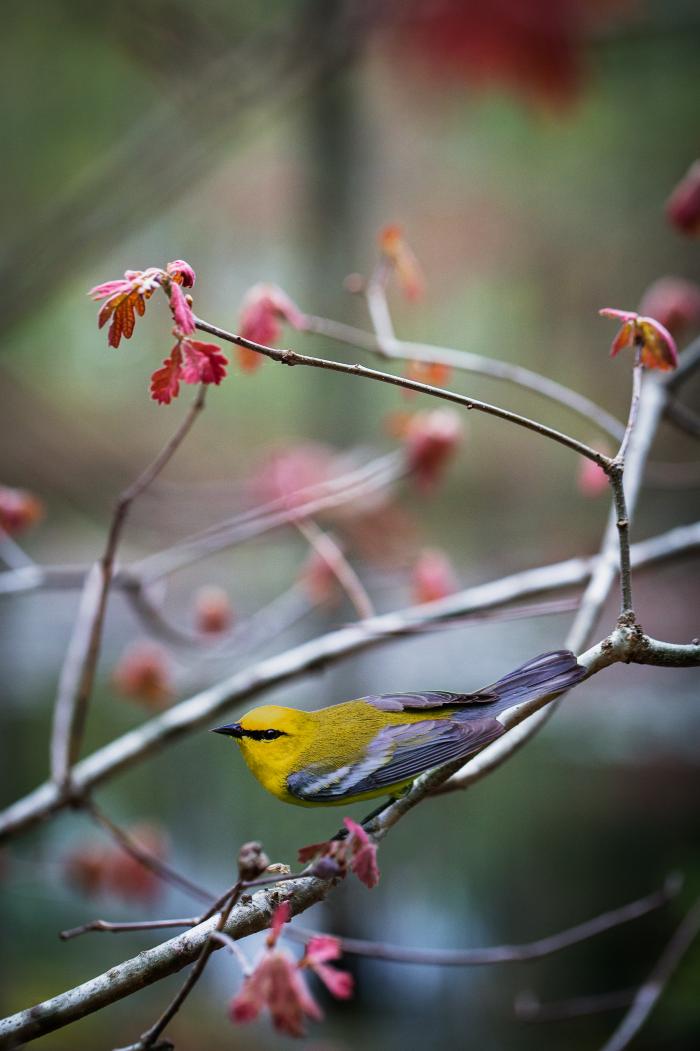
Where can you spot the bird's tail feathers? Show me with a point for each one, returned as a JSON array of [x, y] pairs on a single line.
[[549, 673]]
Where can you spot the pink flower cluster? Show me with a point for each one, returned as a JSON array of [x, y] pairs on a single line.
[[277, 981]]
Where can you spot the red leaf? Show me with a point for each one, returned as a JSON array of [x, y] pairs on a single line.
[[165, 382], [203, 362], [181, 309]]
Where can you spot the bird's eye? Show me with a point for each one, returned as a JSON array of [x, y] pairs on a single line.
[[270, 735]]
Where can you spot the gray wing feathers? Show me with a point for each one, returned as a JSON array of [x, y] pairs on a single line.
[[396, 754]]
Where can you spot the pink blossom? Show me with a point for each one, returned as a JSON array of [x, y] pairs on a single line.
[[658, 347], [212, 610], [144, 672], [683, 206], [433, 576], [674, 302], [19, 509]]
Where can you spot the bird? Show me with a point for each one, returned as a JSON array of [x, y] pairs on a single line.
[[377, 745]]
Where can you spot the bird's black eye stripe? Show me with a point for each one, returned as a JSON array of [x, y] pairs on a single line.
[[264, 735]]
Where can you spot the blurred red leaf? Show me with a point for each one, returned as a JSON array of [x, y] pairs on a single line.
[[19, 509]]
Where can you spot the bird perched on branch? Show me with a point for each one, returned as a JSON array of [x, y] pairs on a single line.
[[377, 745]]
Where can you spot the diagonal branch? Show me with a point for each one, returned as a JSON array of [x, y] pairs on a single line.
[[292, 357], [78, 672], [199, 710]]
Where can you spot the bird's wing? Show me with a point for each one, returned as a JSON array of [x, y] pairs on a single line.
[[396, 754], [401, 702]]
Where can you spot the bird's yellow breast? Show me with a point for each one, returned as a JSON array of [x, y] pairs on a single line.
[[331, 737]]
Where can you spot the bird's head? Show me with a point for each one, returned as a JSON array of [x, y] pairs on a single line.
[[266, 724]]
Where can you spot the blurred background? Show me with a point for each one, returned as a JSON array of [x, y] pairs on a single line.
[[526, 149]]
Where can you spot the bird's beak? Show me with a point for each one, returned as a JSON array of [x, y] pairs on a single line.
[[232, 730]]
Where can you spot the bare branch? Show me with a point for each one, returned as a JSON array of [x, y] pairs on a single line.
[[651, 404], [466, 361], [496, 954], [199, 710], [327, 549], [292, 357], [648, 994], [143, 856], [78, 673]]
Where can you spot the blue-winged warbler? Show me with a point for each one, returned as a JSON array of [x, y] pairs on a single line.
[[377, 745]]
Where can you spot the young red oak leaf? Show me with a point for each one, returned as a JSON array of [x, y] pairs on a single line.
[[181, 272], [318, 952], [263, 309], [657, 345], [181, 309], [356, 852], [190, 361], [124, 299], [403, 261], [434, 373], [277, 982], [364, 854], [165, 381]]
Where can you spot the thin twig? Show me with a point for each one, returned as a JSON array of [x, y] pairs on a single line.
[[616, 478], [466, 361], [529, 1008], [150, 1036], [78, 673], [648, 994], [497, 954], [255, 523], [326, 548], [143, 856], [292, 357], [123, 928], [651, 405]]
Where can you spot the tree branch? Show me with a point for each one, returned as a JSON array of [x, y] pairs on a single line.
[[78, 672], [292, 357], [466, 361], [199, 710], [648, 994]]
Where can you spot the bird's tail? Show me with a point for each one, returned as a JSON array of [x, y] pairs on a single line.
[[549, 673]]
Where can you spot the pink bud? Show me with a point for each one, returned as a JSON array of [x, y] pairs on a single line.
[[212, 610], [674, 302], [683, 206], [431, 440], [433, 577]]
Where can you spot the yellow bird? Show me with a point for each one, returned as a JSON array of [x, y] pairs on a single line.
[[377, 745]]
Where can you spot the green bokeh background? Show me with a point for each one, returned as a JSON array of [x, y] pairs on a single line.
[[526, 221]]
